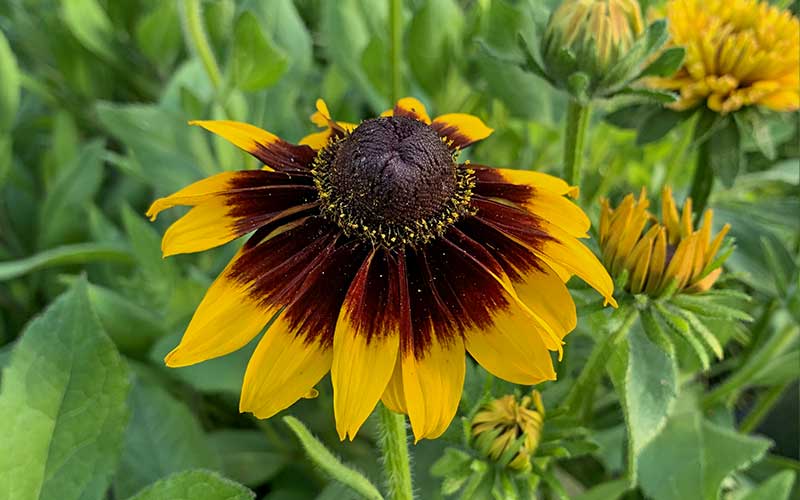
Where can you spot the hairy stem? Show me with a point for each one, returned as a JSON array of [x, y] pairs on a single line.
[[394, 447], [762, 408], [574, 135], [196, 39]]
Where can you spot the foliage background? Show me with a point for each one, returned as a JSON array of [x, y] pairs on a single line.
[[94, 99]]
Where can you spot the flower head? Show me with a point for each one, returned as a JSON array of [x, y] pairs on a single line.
[[508, 426], [738, 53], [657, 255], [381, 259], [591, 37]]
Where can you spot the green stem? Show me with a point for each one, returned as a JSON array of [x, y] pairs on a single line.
[[762, 408], [574, 135], [396, 47], [703, 180], [195, 34], [750, 368], [581, 395], [394, 446]]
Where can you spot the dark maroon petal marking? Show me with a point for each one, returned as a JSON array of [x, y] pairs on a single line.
[[456, 140], [515, 259], [516, 222], [373, 302], [490, 183], [284, 156], [252, 208], [410, 113], [316, 303], [281, 219]]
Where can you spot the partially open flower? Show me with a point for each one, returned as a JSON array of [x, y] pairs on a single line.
[[508, 430], [379, 258], [657, 255], [738, 53], [591, 37]]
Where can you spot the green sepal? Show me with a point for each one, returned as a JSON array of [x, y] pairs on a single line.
[[681, 327], [667, 63]]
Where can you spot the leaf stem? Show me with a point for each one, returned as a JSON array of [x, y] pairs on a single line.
[[703, 179], [581, 395], [574, 135], [196, 39], [394, 446], [396, 47]]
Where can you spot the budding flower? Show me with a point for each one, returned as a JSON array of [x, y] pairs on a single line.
[[659, 255], [508, 431]]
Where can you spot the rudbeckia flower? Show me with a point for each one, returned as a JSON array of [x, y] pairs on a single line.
[[738, 53], [658, 255], [380, 259]]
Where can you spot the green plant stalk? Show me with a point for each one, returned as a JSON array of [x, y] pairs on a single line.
[[195, 35], [574, 136], [581, 395], [394, 447], [762, 408], [703, 180], [396, 47]]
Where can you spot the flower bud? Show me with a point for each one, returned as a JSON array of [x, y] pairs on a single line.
[[507, 430], [592, 37]]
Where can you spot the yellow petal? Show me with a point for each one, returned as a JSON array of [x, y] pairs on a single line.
[[193, 194], [283, 369], [393, 397], [411, 107], [226, 320], [560, 211], [462, 129], [538, 180], [546, 296], [432, 386], [204, 226]]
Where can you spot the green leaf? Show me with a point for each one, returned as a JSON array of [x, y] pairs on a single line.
[[157, 36], [325, 460], [90, 24], [246, 456], [780, 369], [753, 125], [434, 41], [691, 457], [647, 392], [726, 157], [62, 405], [195, 484], [163, 437], [257, 62], [658, 124], [681, 328], [649, 95], [667, 63], [63, 255], [9, 86], [777, 487], [631, 116], [62, 216]]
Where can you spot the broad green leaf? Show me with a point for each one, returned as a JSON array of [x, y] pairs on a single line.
[[63, 213], [257, 62], [90, 24], [163, 437], [157, 35], [246, 456], [651, 386], [64, 149], [692, 456], [62, 405], [195, 485], [658, 124], [434, 41], [325, 460], [9, 86], [64, 255], [778, 487]]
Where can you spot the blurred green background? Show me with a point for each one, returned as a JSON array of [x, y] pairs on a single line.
[[94, 100]]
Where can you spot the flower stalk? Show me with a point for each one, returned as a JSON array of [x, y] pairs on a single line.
[[579, 401], [396, 47], [394, 447], [574, 136], [196, 38]]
